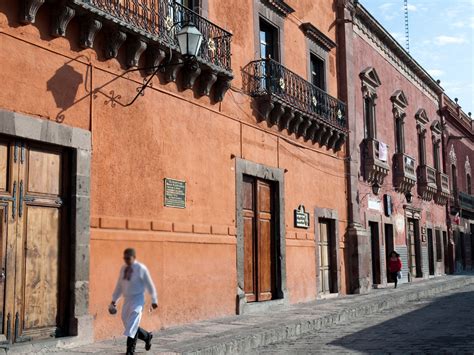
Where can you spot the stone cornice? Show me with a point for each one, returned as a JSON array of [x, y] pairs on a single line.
[[279, 6], [368, 27], [317, 36], [456, 117]]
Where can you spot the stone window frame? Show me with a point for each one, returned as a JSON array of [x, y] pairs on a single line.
[[421, 121], [319, 45], [399, 105], [333, 216], [467, 170], [78, 141], [436, 140], [277, 176], [370, 82], [264, 9]]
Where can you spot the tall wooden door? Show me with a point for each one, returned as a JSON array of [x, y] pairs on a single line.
[[32, 208], [327, 258], [389, 247], [431, 263], [411, 247], [375, 251], [259, 240]]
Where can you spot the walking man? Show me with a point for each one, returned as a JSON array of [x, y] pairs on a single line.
[[133, 280]]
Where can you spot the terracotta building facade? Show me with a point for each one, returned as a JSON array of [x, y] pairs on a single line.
[[226, 173], [458, 145], [397, 186]]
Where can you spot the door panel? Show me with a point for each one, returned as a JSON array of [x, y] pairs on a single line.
[[265, 241], [411, 247], [4, 154], [324, 267], [44, 173], [41, 267], [250, 288]]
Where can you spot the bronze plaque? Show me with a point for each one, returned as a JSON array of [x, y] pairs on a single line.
[[175, 193]]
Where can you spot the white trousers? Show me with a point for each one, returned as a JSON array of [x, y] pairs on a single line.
[[132, 314]]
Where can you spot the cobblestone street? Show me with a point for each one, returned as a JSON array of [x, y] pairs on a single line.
[[442, 324]]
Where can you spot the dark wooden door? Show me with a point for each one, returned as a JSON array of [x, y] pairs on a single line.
[[411, 247], [259, 240], [431, 265], [33, 292], [389, 247], [375, 251]]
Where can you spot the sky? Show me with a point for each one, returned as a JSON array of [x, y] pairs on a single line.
[[441, 40]]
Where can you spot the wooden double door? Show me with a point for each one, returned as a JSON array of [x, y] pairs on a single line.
[[327, 258], [259, 239], [33, 241], [414, 248]]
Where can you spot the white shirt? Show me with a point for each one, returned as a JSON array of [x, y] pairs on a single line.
[[140, 281]]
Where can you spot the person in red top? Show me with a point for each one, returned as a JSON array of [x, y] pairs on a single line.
[[394, 266]]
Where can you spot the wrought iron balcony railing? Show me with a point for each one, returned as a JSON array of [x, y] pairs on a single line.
[[268, 77], [426, 182], [466, 201], [376, 166], [443, 191], [160, 20], [404, 174]]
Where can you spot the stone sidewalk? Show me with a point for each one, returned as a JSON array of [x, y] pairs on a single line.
[[241, 334]]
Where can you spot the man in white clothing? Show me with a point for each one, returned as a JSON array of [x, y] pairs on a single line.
[[133, 280]]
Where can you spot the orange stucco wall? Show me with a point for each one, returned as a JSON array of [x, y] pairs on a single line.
[[190, 252]]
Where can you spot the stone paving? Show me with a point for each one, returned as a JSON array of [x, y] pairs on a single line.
[[354, 324], [442, 324]]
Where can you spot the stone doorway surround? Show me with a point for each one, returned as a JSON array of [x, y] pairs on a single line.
[[276, 175], [79, 142]]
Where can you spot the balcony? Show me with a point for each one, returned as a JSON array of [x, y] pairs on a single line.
[[376, 167], [147, 25], [466, 201], [426, 182], [290, 102], [443, 192], [404, 176]]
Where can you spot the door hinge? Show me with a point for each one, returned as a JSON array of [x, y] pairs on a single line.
[[20, 204], [11, 199], [15, 153], [22, 155], [17, 324], [9, 326]]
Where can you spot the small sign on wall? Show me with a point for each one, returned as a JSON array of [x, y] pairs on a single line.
[[301, 217], [374, 204], [175, 193]]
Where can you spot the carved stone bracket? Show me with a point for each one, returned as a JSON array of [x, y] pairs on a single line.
[[154, 57], [276, 113], [288, 116], [190, 73], [205, 82], [135, 49], [170, 73], [220, 87], [61, 19], [89, 28], [29, 9], [115, 39]]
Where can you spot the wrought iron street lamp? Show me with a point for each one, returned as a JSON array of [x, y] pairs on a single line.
[[189, 43]]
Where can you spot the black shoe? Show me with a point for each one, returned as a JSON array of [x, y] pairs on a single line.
[[148, 341], [131, 343]]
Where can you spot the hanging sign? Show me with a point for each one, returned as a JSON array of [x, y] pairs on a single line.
[[301, 217], [175, 193]]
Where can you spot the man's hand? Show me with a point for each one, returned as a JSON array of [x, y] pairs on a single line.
[[154, 305]]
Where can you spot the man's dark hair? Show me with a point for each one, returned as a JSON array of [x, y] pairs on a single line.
[[130, 252]]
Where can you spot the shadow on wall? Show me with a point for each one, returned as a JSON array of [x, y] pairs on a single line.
[[64, 85], [444, 324]]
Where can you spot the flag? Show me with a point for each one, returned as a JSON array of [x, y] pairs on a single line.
[[457, 219]]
